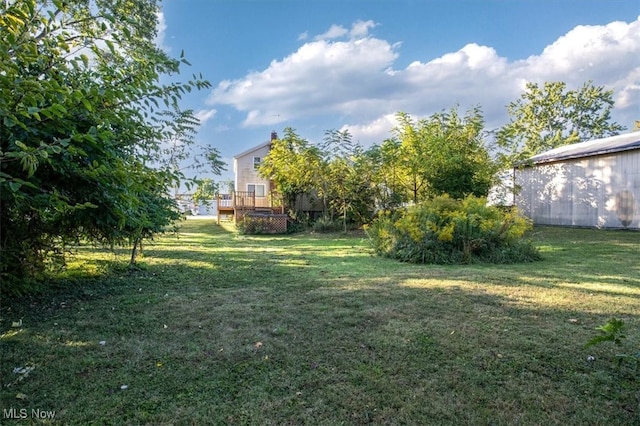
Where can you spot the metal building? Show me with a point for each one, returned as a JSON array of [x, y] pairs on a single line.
[[588, 184]]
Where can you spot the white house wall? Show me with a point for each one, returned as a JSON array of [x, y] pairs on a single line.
[[246, 174], [601, 191]]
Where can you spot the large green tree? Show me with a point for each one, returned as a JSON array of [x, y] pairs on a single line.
[[411, 157], [292, 165], [445, 153], [83, 116], [345, 179], [385, 174], [458, 163], [551, 115]]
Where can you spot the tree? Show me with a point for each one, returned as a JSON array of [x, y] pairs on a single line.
[[551, 116], [386, 184], [206, 190], [291, 164], [443, 154], [458, 162], [83, 116], [344, 181], [412, 157]]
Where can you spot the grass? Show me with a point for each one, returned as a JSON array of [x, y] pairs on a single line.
[[219, 328]]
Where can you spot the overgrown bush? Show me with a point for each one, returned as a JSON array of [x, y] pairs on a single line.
[[327, 225], [444, 230]]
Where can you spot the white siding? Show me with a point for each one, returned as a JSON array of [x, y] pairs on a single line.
[[245, 171], [598, 191]]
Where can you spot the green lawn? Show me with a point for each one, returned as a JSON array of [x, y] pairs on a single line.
[[220, 328]]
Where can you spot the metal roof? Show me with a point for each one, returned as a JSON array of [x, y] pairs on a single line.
[[609, 145]]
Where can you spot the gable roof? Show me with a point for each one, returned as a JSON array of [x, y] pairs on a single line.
[[250, 150], [609, 145]]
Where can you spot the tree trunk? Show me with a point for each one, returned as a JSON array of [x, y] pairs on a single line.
[[344, 217], [134, 250]]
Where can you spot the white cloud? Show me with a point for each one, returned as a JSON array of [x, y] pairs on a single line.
[[355, 79], [605, 52], [319, 78], [161, 32], [205, 115], [359, 29], [372, 131], [336, 31]]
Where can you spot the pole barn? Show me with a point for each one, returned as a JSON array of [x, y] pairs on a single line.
[[587, 184]]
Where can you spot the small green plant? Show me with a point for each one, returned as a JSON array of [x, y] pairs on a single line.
[[614, 331]]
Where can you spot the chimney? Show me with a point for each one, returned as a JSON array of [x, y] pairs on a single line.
[[274, 135]]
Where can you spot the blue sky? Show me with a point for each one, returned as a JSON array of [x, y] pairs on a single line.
[[317, 65]]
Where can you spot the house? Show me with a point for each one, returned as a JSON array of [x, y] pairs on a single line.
[[589, 184], [254, 195], [247, 178]]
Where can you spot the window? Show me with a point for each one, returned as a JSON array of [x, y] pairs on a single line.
[[256, 162], [257, 188]]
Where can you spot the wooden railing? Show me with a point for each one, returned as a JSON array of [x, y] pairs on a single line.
[[224, 201], [248, 200]]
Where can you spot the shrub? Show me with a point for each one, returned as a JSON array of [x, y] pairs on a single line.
[[327, 225], [444, 230]]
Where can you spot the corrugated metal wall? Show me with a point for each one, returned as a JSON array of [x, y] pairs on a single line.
[[602, 191]]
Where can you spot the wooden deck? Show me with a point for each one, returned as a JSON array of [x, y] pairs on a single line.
[[240, 203]]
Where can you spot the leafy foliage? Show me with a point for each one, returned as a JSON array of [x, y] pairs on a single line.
[[291, 164], [445, 153], [345, 180], [335, 172], [206, 191], [386, 175], [615, 331], [459, 162], [83, 116], [444, 230], [612, 331], [551, 116], [327, 225]]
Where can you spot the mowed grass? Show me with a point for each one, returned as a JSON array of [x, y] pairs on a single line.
[[220, 328]]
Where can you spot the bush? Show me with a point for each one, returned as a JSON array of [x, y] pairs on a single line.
[[327, 225], [444, 230]]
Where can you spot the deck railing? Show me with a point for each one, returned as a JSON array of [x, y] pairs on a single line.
[[248, 200]]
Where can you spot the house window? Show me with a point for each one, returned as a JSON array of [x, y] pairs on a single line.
[[258, 189], [256, 162]]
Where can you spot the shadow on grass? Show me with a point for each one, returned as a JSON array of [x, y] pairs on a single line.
[[221, 328]]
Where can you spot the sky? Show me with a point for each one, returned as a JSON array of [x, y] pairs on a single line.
[[318, 65]]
